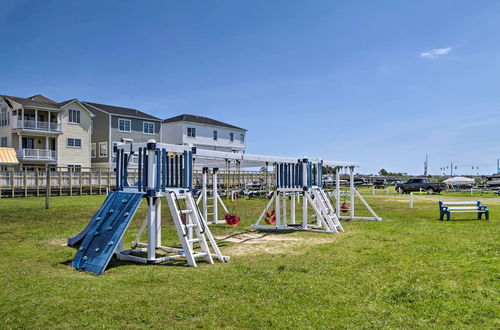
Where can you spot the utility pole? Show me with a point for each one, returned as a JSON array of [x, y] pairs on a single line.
[[498, 165], [426, 165], [451, 169]]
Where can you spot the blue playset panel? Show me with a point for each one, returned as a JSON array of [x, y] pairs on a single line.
[[76, 240], [107, 230]]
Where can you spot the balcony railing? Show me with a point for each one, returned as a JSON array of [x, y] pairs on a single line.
[[43, 126], [36, 154]]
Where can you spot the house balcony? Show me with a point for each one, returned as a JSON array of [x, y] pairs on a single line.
[[37, 126], [36, 154]]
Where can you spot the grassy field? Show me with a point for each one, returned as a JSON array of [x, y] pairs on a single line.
[[409, 271]]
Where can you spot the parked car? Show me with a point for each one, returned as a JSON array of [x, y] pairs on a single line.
[[393, 183], [380, 183], [422, 183], [492, 181], [360, 181], [328, 182]]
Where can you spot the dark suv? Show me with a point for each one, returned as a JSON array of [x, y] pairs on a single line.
[[417, 184]]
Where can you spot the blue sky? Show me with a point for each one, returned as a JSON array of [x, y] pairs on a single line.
[[379, 82]]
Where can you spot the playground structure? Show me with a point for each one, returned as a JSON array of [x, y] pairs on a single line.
[[165, 171], [351, 193]]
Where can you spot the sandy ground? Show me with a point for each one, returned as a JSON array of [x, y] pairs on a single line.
[[253, 242]]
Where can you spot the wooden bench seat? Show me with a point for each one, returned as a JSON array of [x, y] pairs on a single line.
[[446, 208]]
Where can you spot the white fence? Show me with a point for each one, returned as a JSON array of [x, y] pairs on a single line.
[[90, 181]]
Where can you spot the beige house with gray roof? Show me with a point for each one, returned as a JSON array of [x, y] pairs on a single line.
[[45, 132]]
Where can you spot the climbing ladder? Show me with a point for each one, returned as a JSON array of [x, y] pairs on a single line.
[[325, 211], [192, 228], [210, 199]]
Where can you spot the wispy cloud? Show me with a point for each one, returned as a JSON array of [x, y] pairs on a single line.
[[436, 52]]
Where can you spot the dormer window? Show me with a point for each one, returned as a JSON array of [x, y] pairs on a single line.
[[191, 132], [74, 116]]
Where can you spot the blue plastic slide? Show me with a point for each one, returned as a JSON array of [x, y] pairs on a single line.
[[107, 229], [76, 240]]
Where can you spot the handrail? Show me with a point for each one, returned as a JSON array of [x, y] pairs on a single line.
[[37, 125]]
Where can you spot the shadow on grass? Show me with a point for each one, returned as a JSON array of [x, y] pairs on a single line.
[[462, 220]]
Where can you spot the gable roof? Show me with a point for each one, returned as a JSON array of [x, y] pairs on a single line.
[[121, 111], [200, 120], [37, 101]]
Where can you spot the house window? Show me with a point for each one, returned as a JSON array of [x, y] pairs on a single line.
[[4, 117], [124, 125], [103, 149], [74, 168], [191, 132], [231, 137], [3, 142], [242, 138], [94, 150], [215, 135], [74, 143], [148, 128], [74, 116], [28, 143]]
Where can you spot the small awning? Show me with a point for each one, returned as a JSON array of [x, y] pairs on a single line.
[[8, 157]]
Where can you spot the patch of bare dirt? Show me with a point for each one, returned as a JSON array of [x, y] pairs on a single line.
[[58, 242], [258, 242]]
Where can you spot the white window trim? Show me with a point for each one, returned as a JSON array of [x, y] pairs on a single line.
[[103, 143], [74, 147], [93, 150], [69, 117], [129, 125], [148, 122], [187, 132]]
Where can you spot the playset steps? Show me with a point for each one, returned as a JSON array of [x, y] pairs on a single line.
[[192, 229]]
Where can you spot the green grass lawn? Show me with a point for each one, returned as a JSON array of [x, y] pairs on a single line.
[[411, 271]]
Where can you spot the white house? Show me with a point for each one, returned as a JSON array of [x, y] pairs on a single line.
[[203, 133]]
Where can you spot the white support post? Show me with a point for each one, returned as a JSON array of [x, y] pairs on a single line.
[[337, 188], [22, 117], [352, 189], [151, 229], [204, 192], [151, 206], [278, 210], [215, 194], [46, 143], [36, 119], [304, 199], [292, 210], [304, 211], [284, 208], [158, 221], [411, 200]]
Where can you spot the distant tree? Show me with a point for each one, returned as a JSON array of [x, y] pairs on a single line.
[[383, 172]]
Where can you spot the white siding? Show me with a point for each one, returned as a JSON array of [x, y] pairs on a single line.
[[176, 133]]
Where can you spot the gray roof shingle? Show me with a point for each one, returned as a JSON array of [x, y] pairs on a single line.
[[38, 101], [200, 120], [119, 110]]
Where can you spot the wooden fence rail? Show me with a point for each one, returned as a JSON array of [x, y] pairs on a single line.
[[91, 181]]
